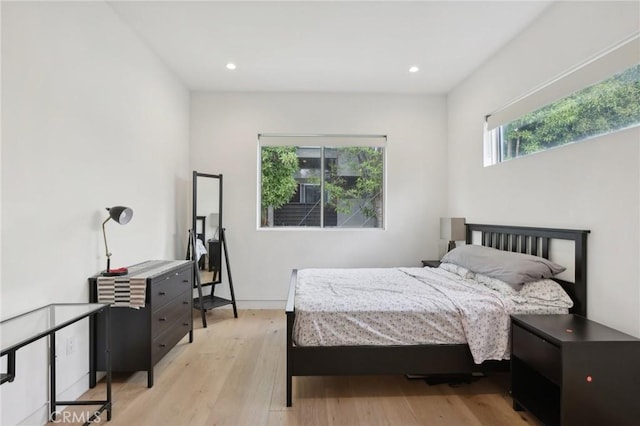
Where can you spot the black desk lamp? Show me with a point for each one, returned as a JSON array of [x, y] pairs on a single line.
[[122, 215]]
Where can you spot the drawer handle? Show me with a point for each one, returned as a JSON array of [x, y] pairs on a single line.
[[186, 324], [162, 293], [163, 345], [185, 302], [163, 318], [185, 281]]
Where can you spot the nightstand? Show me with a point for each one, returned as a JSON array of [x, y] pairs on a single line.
[[431, 263], [568, 370]]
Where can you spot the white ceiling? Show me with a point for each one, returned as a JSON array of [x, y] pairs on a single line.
[[326, 46]]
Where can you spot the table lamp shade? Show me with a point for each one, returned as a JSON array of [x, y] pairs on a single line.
[[453, 229], [120, 214]]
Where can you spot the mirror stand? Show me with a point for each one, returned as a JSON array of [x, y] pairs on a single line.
[[208, 243]]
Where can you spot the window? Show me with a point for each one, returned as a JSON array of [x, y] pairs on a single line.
[[610, 104], [321, 181]]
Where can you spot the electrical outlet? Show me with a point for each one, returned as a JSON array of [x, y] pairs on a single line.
[[71, 345]]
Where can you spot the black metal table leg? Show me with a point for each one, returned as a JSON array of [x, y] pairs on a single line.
[[52, 376]]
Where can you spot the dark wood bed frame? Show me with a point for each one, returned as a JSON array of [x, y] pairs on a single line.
[[431, 359]]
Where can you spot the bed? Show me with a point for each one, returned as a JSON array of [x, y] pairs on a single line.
[[393, 355]]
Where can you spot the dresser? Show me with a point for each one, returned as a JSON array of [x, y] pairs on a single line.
[[568, 370], [141, 337]]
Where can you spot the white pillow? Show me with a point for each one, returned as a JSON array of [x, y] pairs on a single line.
[[542, 292], [496, 284], [458, 270], [546, 292]]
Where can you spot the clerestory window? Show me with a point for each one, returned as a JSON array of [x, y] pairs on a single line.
[[600, 97]]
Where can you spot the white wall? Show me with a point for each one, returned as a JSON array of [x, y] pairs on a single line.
[[590, 185], [91, 119], [224, 130]]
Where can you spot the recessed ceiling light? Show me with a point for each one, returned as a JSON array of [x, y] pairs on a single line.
[[231, 66], [414, 69]]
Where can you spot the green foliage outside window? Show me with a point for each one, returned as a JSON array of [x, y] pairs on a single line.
[[364, 191], [304, 186], [610, 105], [278, 184]]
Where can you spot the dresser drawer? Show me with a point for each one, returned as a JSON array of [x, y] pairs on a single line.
[[169, 314], [537, 353], [172, 335], [167, 287]]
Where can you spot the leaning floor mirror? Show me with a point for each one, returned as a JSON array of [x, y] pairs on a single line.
[[207, 223], [208, 243]]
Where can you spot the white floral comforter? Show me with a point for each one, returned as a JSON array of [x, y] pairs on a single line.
[[405, 306]]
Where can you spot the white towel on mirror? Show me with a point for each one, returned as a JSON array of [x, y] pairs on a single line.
[[200, 248]]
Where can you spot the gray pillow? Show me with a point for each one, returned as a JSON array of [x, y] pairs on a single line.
[[513, 268]]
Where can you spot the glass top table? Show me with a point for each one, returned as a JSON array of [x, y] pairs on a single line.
[[26, 328]]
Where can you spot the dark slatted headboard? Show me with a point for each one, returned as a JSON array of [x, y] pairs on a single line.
[[535, 241]]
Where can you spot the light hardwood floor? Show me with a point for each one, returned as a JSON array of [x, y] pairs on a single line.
[[234, 374]]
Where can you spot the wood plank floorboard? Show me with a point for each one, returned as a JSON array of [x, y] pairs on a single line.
[[233, 374]]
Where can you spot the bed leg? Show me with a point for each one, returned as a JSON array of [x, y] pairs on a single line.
[[290, 318], [289, 383]]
